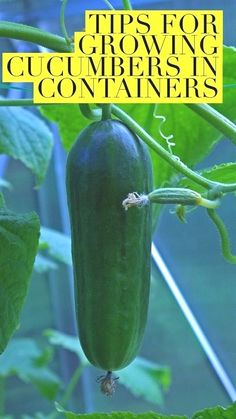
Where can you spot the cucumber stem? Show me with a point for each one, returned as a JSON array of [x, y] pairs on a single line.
[[106, 111]]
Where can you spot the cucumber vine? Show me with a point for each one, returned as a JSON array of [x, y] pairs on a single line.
[[214, 191]]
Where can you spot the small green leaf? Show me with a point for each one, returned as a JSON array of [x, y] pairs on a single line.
[[58, 245], [44, 357], [19, 236], [71, 343], [2, 201], [69, 119], [145, 379], [43, 264], [225, 173], [22, 359], [25, 136]]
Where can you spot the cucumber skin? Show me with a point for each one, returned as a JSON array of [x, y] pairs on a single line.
[[111, 247]]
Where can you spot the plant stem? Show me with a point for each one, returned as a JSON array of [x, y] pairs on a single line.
[[62, 22], [176, 163], [109, 5], [106, 111], [34, 35], [225, 243], [70, 388], [219, 121], [16, 102], [92, 114], [147, 138], [2, 396], [127, 5]]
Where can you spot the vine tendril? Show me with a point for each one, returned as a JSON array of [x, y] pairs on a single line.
[[167, 138], [109, 5], [224, 237], [62, 23]]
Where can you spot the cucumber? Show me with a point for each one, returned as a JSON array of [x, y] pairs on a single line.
[[110, 246]]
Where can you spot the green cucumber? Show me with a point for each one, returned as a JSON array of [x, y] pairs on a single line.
[[110, 246]]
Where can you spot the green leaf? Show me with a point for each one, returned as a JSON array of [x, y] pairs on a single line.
[[145, 379], [225, 173], [19, 234], [2, 201], [217, 413], [69, 119], [22, 359], [46, 381], [43, 264], [25, 136], [58, 245], [116, 415], [71, 343], [44, 358], [228, 107], [212, 413]]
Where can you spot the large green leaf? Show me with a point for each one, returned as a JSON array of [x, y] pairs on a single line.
[[225, 173], [23, 358], [145, 379], [25, 136], [119, 415], [19, 234], [213, 413], [228, 107], [193, 136], [69, 119], [71, 343]]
